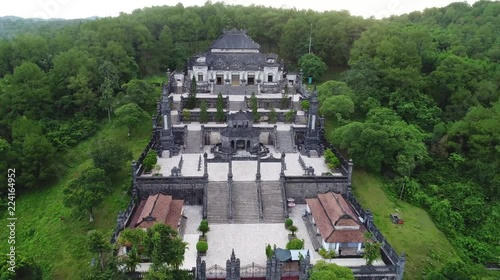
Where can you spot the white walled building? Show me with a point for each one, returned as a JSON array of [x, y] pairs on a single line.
[[235, 59]]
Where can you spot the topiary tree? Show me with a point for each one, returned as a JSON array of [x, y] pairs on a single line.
[[202, 246], [191, 102], [149, 161], [203, 227], [254, 106], [284, 98], [289, 116], [273, 117], [295, 244], [186, 115], [269, 251], [293, 229], [219, 115], [288, 222], [204, 112]]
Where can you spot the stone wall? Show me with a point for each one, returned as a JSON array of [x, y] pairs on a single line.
[[302, 187], [188, 188]]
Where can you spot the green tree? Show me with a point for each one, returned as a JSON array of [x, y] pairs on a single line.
[[372, 250], [107, 97], [254, 106], [337, 106], [312, 66], [289, 116], [163, 245], [269, 251], [273, 117], [186, 115], [87, 191], [98, 244], [150, 160], [109, 156], [293, 229], [130, 115], [220, 116], [203, 227], [138, 92], [326, 271], [193, 88], [204, 117], [132, 259], [132, 238], [305, 105]]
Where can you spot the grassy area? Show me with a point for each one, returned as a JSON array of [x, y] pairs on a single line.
[[424, 245], [56, 244]]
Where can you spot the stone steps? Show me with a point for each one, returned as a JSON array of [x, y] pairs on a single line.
[[218, 200], [284, 139], [272, 201], [245, 203], [193, 142]]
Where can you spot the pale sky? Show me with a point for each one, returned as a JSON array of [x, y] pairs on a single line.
[[70, 9]]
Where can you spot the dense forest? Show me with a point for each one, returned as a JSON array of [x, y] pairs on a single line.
[[418, 102]]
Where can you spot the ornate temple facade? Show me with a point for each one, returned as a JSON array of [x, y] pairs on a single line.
[[235, 59]]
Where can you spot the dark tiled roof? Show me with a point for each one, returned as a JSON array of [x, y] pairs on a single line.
[[330, 210], [235, 61], [234, 39], [158, 208]]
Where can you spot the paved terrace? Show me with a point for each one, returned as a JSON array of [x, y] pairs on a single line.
[[249, 240], [232, 97], [242, 170]]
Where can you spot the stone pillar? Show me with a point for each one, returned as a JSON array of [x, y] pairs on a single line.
[[134, 171], [230, 171], [368, 218], [400, 266], [283, 167], [304, 266], [258, 176], [203, 271], [233, 268], [205, 165], [349, 172]]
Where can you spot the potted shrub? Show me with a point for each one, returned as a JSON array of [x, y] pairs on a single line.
[[203, 228], [293, 229], [295, 244], [288, 223], [202, 247]]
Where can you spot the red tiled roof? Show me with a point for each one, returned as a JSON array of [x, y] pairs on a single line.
[[158, 208], [318, 212], [175, 213], [330, 210]]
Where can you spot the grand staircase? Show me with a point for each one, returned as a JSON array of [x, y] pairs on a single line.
[[245, 203], [284, 139], [218, 201], [272, 201], [193, 142]]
